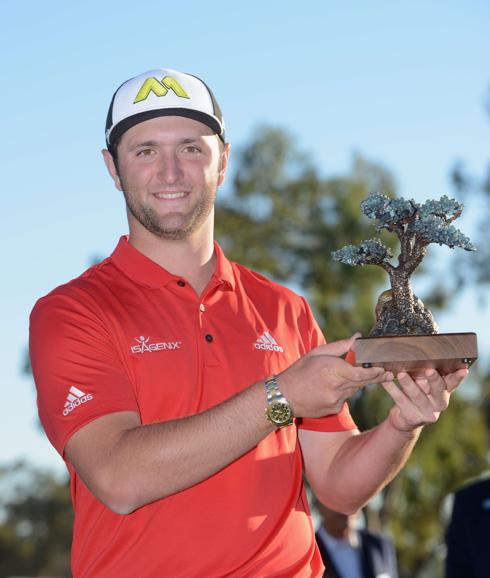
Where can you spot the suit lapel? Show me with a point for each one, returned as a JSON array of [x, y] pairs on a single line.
[[330, 569]]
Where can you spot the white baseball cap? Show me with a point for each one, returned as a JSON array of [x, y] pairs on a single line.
[[162, 92]]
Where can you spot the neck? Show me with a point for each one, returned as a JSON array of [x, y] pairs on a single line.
[[192, 259], [339, 532]]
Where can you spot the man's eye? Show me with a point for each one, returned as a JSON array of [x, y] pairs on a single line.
[[144, 153], [192, 149]]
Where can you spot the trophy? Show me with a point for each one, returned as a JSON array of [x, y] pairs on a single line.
[[405, 336]]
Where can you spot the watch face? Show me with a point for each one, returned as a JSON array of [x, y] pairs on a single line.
[[279, 413]]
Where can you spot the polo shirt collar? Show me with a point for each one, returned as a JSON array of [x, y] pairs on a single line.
[[146, 272]]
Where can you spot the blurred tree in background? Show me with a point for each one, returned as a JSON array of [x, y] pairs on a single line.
[[475, 189], [35, 523], [281, 217]]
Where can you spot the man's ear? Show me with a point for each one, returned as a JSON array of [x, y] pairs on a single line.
[[225, 155], [111, 167]]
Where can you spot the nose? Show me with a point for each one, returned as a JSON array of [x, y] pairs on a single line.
[[169, 170]]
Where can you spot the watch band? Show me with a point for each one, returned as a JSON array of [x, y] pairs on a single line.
[[278, 410], [272, 389]]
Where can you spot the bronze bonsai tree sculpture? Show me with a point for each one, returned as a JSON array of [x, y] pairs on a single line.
[[399, 311]]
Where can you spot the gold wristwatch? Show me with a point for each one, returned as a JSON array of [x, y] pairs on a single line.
[[278, 410]]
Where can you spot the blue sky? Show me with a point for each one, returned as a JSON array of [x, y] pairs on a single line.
[[403, 83]]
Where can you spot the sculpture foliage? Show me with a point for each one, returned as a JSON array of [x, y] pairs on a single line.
[[399, 311]]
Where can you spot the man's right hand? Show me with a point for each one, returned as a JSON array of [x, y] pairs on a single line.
[[320, 382]]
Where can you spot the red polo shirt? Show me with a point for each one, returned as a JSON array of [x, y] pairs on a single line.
[[128, 335]]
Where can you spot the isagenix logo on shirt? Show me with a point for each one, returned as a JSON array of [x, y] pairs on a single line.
[[145, 345]]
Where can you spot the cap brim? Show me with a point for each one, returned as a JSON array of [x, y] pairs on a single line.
[[121, 127]]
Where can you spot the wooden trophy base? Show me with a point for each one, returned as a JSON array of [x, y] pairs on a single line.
[[445, 352]]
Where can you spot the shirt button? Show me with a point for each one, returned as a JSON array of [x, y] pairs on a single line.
[[209, 337], [202, 308], [181, 283]]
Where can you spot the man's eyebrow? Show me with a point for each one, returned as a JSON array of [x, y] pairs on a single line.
[[191, 139], [153, 143], [146, 143]]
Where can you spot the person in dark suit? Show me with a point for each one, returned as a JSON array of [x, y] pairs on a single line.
[[468, 533], [348, 552]]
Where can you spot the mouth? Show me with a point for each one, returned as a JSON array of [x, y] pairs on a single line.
[[170, 196]]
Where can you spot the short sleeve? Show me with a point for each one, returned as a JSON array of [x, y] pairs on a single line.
[[78, 373], [331, 423]]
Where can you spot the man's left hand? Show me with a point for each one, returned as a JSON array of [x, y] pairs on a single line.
[[420, 401]]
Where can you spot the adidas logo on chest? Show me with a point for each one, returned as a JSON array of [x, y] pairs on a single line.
[[268, 343]]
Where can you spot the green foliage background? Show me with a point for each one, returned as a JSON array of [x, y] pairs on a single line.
[[35, 523], [283, 218]]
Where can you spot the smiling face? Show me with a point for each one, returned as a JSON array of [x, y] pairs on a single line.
[[169, 169]]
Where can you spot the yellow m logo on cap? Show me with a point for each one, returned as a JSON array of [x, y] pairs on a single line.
[[160, 88]]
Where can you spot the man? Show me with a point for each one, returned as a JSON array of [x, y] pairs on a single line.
[[468, 534], [186, 392], [349, 552]]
